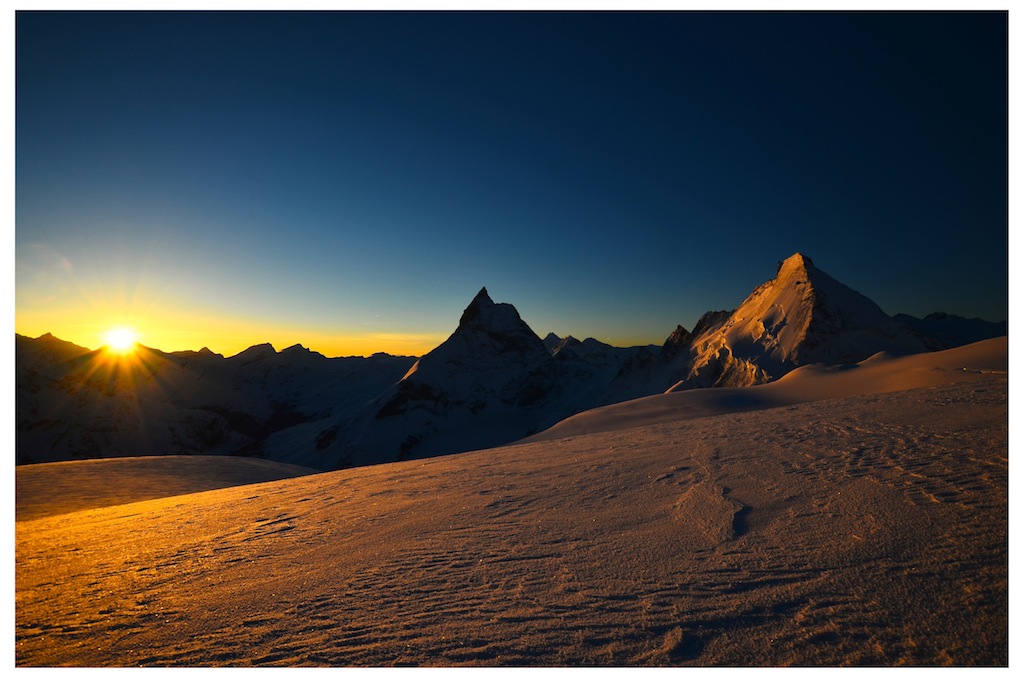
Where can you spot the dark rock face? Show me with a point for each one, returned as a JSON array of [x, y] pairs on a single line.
[[488, 328], [676, 343], [481, 302]]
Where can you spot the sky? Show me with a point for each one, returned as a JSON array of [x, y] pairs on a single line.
[[350, 180]]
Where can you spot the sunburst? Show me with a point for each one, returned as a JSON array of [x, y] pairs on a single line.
[[120, 339]]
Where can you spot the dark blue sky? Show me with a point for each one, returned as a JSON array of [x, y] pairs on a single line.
[[357, 177]]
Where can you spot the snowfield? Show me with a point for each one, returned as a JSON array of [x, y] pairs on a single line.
[[851, 516]]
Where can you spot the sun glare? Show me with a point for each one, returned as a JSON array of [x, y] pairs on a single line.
[[120, 339]]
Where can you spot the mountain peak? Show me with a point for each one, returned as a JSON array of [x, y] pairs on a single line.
[[256, 352], [803, 316], [797, 263], [487, 321], [678, 341], [482, 298], [480, 303], [492, 362]]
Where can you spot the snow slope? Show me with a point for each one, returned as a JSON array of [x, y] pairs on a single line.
[[879, 374], [68, 486], [863, 529]]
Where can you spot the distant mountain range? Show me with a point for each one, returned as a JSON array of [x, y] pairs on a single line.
[[493, 381]]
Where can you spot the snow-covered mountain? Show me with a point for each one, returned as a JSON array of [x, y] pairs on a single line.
[[76, 403], [493, 381], [485, 382], [952, 330], [802, 316]]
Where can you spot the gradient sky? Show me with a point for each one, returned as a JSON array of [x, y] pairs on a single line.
[[349, 181]]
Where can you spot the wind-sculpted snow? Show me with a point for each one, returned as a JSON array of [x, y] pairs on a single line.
[[868, 527]]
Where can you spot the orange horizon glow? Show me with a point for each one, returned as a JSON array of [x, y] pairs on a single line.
[[84, 312], [121, 340], [173, 327], [229, 338]]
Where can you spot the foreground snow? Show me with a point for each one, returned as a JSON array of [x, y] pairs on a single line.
[[860, 529]]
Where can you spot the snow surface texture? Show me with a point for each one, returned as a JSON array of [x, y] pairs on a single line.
[[866, 529], [493, 381]]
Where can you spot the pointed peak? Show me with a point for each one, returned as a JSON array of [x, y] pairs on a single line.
[[676, 342], [797, 262], [481, 301], [680, 335], [482, 297], [486, 322], [552, 342]]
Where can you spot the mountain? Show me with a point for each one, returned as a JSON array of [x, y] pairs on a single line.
[[492, 382], [74, 403], [483, 383], [802, 316], [952, 330]]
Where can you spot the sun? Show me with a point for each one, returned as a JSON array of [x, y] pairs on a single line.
[[120, 339]]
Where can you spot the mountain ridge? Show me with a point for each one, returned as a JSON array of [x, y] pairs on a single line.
[[493, 380]]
